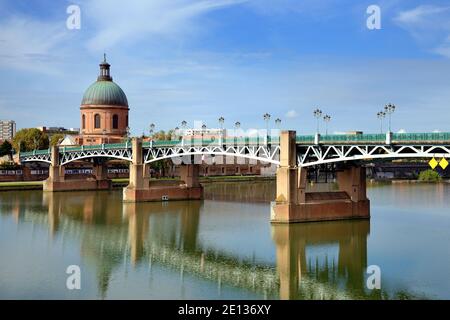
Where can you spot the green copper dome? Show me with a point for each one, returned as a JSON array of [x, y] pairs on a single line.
[[104, 91]]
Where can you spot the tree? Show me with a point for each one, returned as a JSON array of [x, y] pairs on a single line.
[[30, 139], [5, 148], [162, 135], [429, 176], [55, 139]]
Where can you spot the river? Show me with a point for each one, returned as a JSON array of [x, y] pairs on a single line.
[[223, 247]]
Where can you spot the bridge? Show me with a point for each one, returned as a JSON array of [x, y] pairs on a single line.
[[312, 150], [292, 154]]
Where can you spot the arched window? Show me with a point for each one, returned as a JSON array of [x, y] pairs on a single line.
[[97, 121], [127, 122], [83, 122], [115, 121]]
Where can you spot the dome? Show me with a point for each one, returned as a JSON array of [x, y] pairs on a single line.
[[105, 92]]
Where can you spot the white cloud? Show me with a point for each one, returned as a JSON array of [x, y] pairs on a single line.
[[134, 20], [429, 25], [30, 44], [401, 131], [291, 114], [444, 48], [419, 15]]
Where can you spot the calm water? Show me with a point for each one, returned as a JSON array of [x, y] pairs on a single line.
[[223, 247]]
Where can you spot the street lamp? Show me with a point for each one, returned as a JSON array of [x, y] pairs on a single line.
[[278, 123], [128, 133], [152, 128], [104, 135], [203, 131], [381, 115], [327, 119], [266, 117], [221, 121], [237, 125], [318, 114], [183, 124], [389, 109]]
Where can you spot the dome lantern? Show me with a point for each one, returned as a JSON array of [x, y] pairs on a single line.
[[104, 70]]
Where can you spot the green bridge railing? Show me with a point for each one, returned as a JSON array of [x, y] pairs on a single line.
[[397, 138]]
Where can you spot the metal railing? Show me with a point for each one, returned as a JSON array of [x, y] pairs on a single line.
[[397, 138]]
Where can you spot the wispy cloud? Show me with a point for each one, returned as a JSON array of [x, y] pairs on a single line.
[[420, 14], [429, 25], [29, 44], [134, 20]]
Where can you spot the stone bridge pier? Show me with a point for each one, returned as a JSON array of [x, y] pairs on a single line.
[[140, 188], [58, 182], [294, 204]]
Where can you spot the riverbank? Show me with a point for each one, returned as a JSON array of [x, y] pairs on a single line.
[[123, 182], [405, 182]]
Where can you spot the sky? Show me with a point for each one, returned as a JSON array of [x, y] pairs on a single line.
[[198, 60]]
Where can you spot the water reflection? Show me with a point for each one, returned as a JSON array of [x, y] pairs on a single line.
[[325, 260], [342, 272]]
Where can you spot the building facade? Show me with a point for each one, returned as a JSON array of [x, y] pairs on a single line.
[[7, 129], [104, 111], [51, 131]]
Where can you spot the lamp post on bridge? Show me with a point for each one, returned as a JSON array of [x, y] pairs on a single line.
[[327, 119], [317, 114], [237, 126], [183, 125], [381, 115], [389, 109], [278, 123], [266, 117], [203, 131], [152, 129], [221, 122]]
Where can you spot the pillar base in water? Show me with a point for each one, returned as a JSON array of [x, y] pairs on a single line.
[[76, 185], [162, 193], [329, 208]]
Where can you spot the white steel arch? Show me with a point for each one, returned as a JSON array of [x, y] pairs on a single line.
[[120, 154], [258, 153], [316, 155]]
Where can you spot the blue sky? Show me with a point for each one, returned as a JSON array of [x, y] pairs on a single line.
[[199, 60]]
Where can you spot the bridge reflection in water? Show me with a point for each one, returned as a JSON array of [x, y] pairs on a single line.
[[313, 261]]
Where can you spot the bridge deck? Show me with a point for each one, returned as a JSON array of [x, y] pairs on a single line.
[[334, 139]]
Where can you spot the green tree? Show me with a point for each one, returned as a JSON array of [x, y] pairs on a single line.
[[55, 139], [162, 135], [429, 176], [30, 139], [5, 148]]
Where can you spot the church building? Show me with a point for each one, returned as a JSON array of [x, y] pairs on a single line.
[[104, 111]]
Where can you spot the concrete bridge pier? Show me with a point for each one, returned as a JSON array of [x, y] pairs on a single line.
[[294, 204], [58, 182], [141, 189]]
